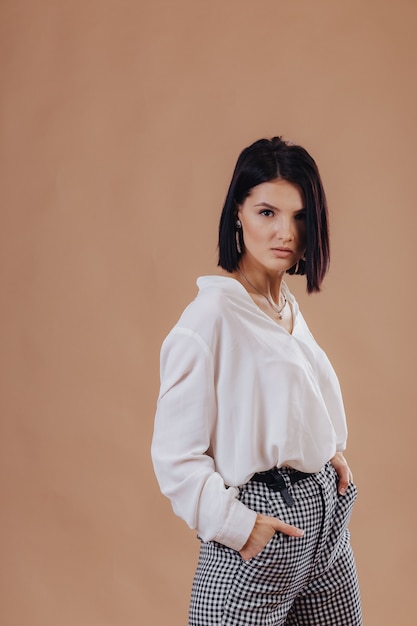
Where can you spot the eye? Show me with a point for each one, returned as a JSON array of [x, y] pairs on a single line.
[[266, 212], [301, 216]]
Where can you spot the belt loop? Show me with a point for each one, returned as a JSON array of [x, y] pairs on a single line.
[[279, 484]]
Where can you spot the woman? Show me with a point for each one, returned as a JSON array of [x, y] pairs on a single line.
[[250, 427]]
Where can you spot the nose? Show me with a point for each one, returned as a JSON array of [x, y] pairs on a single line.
[[284, 229]]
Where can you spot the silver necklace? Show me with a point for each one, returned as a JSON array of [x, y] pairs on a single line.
[[274, 307]]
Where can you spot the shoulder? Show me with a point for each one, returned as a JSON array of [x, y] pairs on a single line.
[[216, 298], [211, 312]]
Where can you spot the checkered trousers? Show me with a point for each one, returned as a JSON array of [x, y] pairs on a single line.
[[307, 581]]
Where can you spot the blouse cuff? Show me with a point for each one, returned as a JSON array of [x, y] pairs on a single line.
[[237, 527]]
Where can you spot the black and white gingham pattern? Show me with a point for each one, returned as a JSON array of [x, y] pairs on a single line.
[[307, 581]]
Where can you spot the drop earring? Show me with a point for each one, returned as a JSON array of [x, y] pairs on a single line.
[[238, 227], [300, 267]]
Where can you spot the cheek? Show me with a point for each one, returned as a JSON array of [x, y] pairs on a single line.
[[302, 234], [252, 233]]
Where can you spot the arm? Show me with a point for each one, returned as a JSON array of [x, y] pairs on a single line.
[[184, 425]]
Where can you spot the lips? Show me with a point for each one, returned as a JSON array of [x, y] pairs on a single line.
[[282, 253]]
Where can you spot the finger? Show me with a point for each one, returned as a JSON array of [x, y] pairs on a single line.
[[286, 529], [343, 482]]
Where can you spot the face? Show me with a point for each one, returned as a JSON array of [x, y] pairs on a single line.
[[273, 226]]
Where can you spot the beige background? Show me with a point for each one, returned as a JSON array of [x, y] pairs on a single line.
[[120, 124]]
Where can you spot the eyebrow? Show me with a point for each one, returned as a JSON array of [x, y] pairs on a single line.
[[268, 206], [271, 206]]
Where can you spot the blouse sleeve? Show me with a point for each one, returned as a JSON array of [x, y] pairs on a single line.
[[184, 424], [333, 398], [332, 395]]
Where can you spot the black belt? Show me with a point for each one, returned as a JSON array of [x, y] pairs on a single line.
[[274, 479]]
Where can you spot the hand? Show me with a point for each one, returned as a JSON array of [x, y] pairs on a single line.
[[343, 471], [263, 531]]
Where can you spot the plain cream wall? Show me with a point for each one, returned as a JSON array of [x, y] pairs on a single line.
[[120, 125]]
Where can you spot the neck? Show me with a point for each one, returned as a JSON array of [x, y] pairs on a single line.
[[261, 282]]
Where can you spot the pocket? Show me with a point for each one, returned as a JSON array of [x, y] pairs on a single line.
[[351, 492], [261, 584], [347, 500], [267, 551], [343, 504], [256, 496]]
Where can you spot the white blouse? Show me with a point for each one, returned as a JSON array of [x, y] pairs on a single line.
[[239, 395]]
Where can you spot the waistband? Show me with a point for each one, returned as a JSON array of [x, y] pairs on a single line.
[[274, 479]]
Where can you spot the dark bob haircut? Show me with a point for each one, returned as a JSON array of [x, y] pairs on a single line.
[[275, 159]]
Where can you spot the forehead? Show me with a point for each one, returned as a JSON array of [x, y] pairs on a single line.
[[280, 194]]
